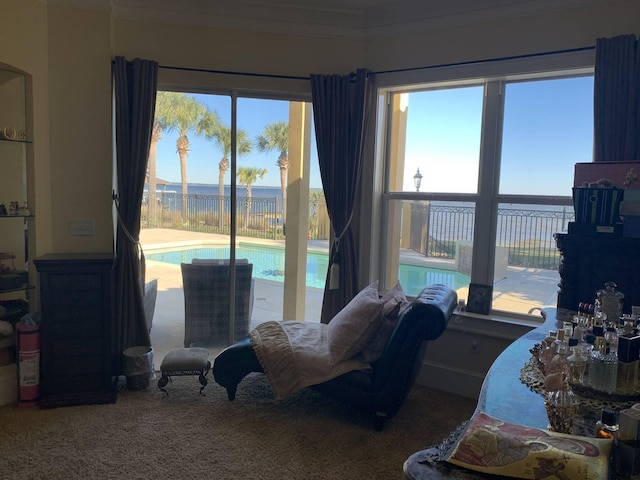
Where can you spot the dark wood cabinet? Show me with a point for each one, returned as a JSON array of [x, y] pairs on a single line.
[[76, 304], [589, 261]]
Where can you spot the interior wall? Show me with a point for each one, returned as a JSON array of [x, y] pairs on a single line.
[[80, 102], [520, 35], [23, 26], [228, 50]]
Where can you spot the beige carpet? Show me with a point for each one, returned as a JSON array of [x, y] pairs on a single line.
[[189, 436]]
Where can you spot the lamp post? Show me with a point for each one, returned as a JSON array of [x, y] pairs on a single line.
[[417, 180]]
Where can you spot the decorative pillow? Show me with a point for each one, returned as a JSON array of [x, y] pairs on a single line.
[[352, 327], [395, 303], [496, 447]]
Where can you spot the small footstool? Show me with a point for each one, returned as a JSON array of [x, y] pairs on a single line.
[[185, 361]]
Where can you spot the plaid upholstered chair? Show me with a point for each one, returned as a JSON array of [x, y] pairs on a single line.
[[206, 300]]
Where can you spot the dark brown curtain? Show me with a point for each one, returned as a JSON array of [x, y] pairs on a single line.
[[135, 85], [342, 107], [617, 99]]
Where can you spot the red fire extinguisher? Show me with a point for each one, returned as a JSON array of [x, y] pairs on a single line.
[[28, 342]]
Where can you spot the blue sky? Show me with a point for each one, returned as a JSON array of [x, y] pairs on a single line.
[[202, 164], [548, 127]]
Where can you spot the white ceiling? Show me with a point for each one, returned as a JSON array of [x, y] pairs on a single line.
[[339, 18]]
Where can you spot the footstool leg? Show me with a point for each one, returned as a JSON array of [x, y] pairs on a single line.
[[203, 377], [162, 382]]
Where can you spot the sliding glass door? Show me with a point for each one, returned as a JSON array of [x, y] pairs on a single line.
[[237, 179]]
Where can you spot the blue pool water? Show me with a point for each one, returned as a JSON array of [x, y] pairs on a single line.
[[268, 264]]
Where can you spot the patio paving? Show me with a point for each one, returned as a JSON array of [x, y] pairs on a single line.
[[522, 289]]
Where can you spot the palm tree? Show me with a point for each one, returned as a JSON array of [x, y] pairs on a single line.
[[276, 137], [248, 176], [316, 199], [184, 115], [160, 124], [221, 134]]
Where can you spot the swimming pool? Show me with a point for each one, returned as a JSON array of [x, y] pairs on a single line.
[[268, 264]]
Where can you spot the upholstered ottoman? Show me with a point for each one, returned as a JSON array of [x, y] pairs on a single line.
[[185, 361]]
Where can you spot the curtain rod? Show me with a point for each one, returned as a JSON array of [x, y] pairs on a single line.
[[382, 72], [495, 59], [227, 72]]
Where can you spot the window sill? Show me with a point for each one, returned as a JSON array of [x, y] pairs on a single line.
[[497, 325]]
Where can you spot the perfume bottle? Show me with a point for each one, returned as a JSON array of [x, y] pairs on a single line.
[[607, 426], [610, 302], [577, 362], [562, 409], [628, 363], [603, 369], [611, 362], [547, 351], [559, 361]]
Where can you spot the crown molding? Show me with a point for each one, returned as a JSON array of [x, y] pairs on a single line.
[[354, 19]]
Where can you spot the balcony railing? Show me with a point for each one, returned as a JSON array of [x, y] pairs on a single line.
[[526, 233], [435, 229]]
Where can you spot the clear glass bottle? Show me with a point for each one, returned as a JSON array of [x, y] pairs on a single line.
[[596, 364], [577, 364], [610, 301], [547, 351], [562, 409], [598, 321], [610, 372], [559, 361]]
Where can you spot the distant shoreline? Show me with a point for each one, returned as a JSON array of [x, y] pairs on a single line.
[[212, 189]]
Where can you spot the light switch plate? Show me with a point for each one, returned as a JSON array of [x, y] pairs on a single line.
[[82, 228]]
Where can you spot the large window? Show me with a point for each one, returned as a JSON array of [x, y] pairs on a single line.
[[478, 177]]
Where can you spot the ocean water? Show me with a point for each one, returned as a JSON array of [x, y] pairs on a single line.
[[207, 189]]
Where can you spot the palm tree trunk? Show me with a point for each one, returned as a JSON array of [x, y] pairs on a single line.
[[183, 177], [283, 189], [152, 186], [221, 200]]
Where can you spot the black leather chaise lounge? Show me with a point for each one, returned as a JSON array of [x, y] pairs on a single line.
[[381, 391]]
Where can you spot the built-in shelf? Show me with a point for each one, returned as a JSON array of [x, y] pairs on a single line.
[[17, 274]]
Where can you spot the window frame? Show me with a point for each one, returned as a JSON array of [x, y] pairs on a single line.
[[494, 75], [262, 87]]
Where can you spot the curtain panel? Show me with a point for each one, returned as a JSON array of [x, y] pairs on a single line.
[[343, 105], [135, 85], [617, 99]]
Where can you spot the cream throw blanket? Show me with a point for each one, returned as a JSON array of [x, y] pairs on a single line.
[[295, 355]]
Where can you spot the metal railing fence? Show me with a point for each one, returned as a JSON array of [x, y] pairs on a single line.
[[526, 233], [435, 229]]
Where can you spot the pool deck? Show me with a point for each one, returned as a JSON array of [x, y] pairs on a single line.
[[521, 290]]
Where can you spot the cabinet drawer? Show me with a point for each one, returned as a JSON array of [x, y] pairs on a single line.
[[81, 298], [75, 365], [64, 384], [89, 282], [76, 346], [73, 313], [74, 330]]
